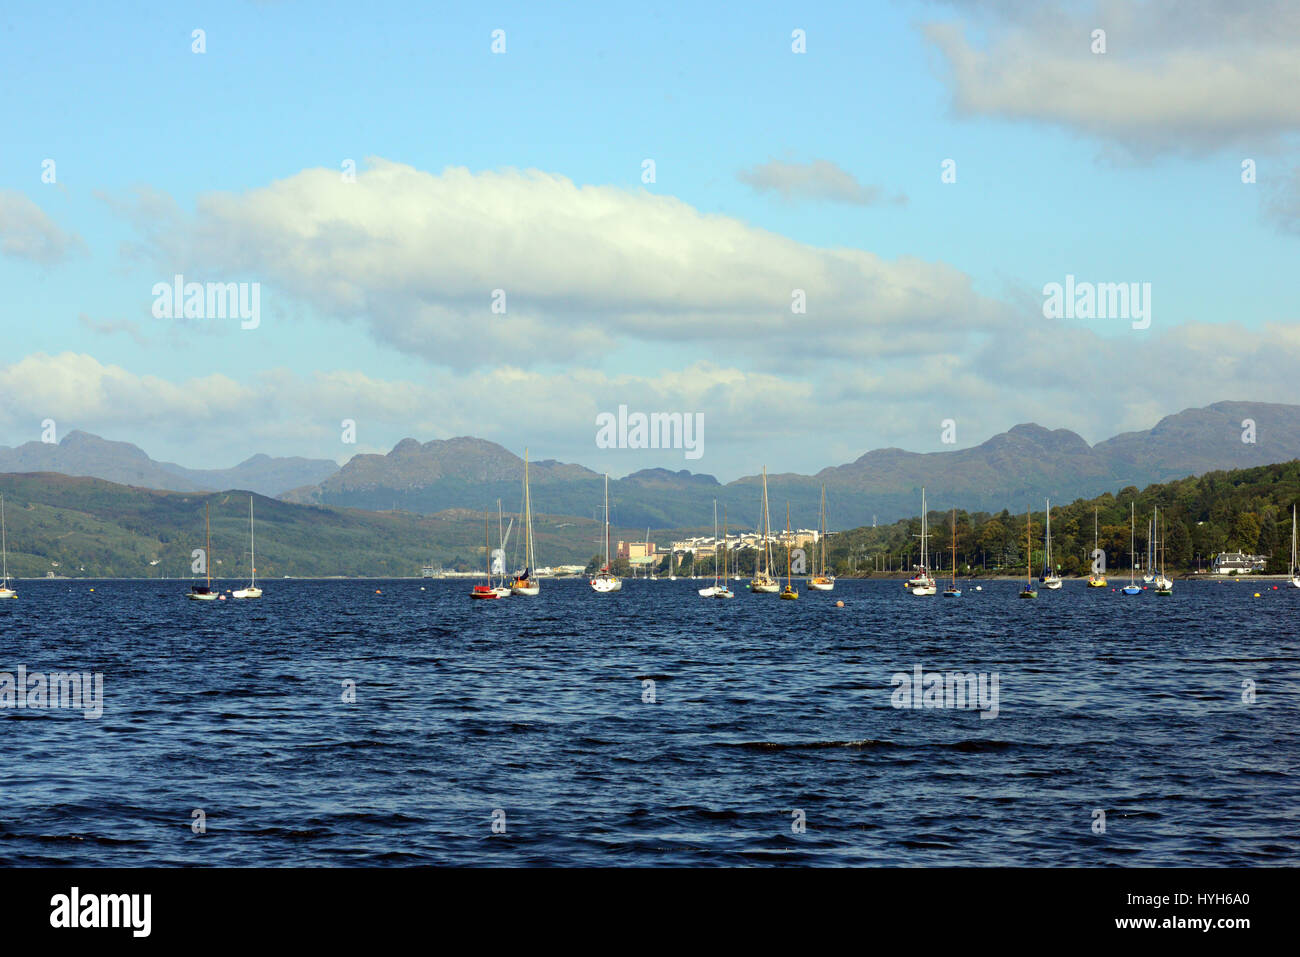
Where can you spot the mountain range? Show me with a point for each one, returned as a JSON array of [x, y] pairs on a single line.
[[1017, 468], [80, 453], [1012, 470]]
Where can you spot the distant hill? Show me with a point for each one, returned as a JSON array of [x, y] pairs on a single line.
[[1016, 468], [86, 527], [81, 453], [1012, 470]]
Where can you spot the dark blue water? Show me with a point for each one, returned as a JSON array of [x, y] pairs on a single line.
[[534, 707]]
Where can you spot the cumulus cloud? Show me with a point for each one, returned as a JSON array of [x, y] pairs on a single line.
[[26, 232], [419, 258], [819, 180], [1061, 375], [286, 413], [1175, 77]]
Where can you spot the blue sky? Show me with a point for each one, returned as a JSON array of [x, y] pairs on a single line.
[[119, 101]]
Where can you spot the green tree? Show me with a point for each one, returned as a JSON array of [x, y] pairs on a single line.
[[1267, 541], [1178, 545], [1245, 531]]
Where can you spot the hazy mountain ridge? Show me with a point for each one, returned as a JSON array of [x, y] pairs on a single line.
[[1012, 470], [83, 454]]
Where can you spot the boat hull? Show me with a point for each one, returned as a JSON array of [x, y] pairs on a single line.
[[8, 593], [1052, 584], [606, 585], [764, 588], [528, 590], [246, 593], [825, 584]]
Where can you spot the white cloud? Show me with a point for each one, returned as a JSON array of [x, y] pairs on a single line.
[[818, 180], [26, 232], [417, 256], [1175, 77], [1060, 375]]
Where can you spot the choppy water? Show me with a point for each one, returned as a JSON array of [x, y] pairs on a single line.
[[762, 708]]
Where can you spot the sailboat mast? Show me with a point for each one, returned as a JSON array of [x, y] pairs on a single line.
[[925, 552], [954, 549], [724, 546], [823, 531], [207, 542], [528, 518], [788, 583], [4, 539], [1132, 542], [715, 543], [252, 545], [606, 521], [1047, 542], [767, 530], [1029, 552]]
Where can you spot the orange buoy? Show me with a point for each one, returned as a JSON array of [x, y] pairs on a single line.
[[839, 604]]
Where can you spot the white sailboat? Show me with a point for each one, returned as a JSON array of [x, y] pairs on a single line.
[[1051, 581], [605, 581], [5, 590], [205, 592], [1163, 584], [762, 582], [1132, 587], [1295, 567], [1095, 580], [252, 591], [821, 581], [524, 583], [922, 584], [723, 591], [1149, 575], [710, 590], [952, 591], [491, 591], [788, 592]]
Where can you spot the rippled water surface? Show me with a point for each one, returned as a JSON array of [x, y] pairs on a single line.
[[761, 708]]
